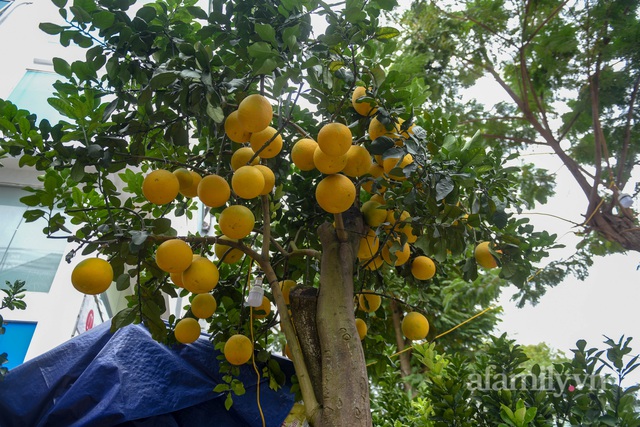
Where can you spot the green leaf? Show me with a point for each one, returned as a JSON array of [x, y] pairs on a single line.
[[380, 145], [386, 33], [62, 67], [444, 187], [123, 282], [228, 402], [267, 66], [260, 50], [103, 19], [221, 388], [59, 3], [266, 33], [123, 318], [50, 28], [162, 80]]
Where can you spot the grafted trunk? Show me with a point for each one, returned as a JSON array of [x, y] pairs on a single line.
[[345, 386]]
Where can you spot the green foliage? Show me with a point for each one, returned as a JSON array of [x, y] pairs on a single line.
[[13, 301], [502, 388]]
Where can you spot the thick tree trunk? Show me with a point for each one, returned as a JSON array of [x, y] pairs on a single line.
[[345, 386], [616, 228]]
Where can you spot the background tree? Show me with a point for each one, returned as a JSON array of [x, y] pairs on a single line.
[[156, 107], [571, 73]]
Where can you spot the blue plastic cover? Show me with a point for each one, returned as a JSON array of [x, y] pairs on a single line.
[[128, 379]]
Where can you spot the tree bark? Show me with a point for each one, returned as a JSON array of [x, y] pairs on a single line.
[[345, 386], [405, 358]]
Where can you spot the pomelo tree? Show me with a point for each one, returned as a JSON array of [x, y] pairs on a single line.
[[298, 158]]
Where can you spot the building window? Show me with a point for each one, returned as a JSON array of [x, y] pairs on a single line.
[[15, 341], [25, 252], [32, 92]]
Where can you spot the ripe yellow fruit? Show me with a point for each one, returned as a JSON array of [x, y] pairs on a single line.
[[92, 276], [234, 129], [415, 326], [377, 129], [247, 182], [484, 257], [203, 306], [238, 349], [423, 268], [373, 214], [236, 221], [160, 187], [358, 162], [328, 164], [376, 171], [231, 257], [241, 157], [176, 278], [286, 286], [335, 193], [394, 162], [368, 245], [378, 198], [402, 255], [187, 330], [174, 256], [334, 139], [361, 326], [255, 113], [201, 276], [264, 307], [363, 108], [184, 178], [302, 154], [373, 263], [369, 302], [261, 138], [269, 179], [192, 190], [214, 191]]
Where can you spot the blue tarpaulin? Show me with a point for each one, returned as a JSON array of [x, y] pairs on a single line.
[[128, 379]]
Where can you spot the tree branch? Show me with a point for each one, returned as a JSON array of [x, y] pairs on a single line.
[[626, 142]]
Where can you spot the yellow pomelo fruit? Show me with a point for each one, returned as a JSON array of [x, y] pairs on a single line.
[[241, 157], [230, 257], [373, 215], [255, 113], [187, 330], [484, 257], [234, 129], [201, 276], [415, 326], [335, 193], [302, 154], [402, 255], [376, 171], [192, 190], [423, 268], [393, 162], [261, 138], [368, 245], [334, 139], [174, 256], [328, 164], [203, 306], [373, 263], [377, 129], [286, 286], [160, 187], [269, 179], [92, 276], [238, 349], [176, 278], [363, 108], [263, 310], [369, 302], [247, 182], [214, 191], [378, 198], [184, 178], [358, 162], [361, 326], [236, 221]]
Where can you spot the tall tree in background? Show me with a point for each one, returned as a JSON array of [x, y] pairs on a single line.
[[158, 116], [571, 72]]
